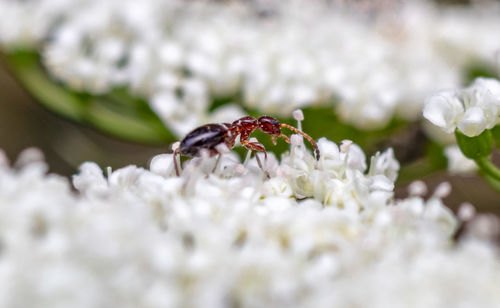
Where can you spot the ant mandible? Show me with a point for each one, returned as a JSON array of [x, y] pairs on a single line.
[[210, 136]]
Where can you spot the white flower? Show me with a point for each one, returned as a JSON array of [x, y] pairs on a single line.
[[371, 68], [90, 179], [148, 238], [487, 87], [162, 165], [385, 164], [417, 188], [471, 110], [457, 162], [473, 122], [443, 109]]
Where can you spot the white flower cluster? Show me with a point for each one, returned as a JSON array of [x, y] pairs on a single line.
[[317, 234], [457, 162], [470, 110], [275, 56]]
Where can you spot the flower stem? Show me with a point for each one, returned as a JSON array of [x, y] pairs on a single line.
[[488, 168], [493, 182]]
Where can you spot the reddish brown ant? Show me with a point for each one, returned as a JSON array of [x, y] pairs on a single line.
[[210, 136]]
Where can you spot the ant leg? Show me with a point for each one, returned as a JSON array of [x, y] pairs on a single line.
[[217, 162], [287, 140], [176, 152], [247, 158], [221, 149], [260, 165], [256, 147]]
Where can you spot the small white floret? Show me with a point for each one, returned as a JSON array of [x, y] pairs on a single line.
[[417, 188], [298, 115], [466, 211], [443, 190], [175, 146]]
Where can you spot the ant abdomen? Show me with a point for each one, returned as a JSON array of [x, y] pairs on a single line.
[[204, 137]]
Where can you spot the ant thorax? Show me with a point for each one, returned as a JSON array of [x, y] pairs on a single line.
[[245, 126]]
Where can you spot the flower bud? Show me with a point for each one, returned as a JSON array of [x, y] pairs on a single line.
[[475, 147], [298, 115]]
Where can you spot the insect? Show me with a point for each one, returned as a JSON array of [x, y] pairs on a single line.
[[210, 136]]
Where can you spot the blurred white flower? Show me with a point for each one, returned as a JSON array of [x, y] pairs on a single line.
[[386, 164], [457, 162], [147, 238], [274, 56], [444, 109], [417, 188], [471, 110]]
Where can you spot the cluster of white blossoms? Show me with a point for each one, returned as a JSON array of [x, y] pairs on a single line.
[[325, 233], [274, 56], [470, 110]]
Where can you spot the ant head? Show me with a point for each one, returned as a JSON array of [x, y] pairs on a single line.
[[269, 125]]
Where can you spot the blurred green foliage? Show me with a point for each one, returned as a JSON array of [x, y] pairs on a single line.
[[116, 113]]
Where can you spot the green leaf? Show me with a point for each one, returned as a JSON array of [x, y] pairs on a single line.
[[115, 113], [478, 68], [495, 133], [475, 147]]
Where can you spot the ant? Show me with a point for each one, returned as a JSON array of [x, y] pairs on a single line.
[[211, 136]]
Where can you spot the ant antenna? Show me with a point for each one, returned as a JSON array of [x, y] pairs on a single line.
[[311, 141]]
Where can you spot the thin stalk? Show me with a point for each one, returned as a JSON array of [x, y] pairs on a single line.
[[488, 168]]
